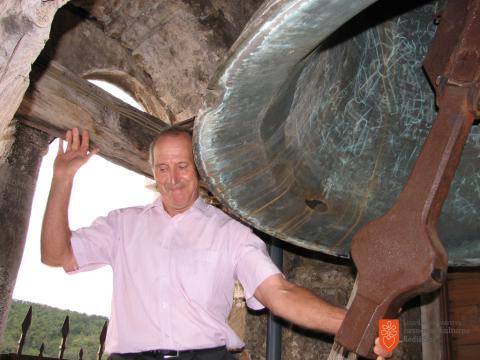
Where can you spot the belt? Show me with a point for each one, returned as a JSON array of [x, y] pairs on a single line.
[[172, 354]]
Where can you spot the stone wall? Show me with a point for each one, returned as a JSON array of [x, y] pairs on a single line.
[[19, 167], [24, 28], [163, 52]]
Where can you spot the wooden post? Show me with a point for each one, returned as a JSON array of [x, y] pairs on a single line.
[[434, 313]]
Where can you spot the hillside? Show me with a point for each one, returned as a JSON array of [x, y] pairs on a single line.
[[46, 328]]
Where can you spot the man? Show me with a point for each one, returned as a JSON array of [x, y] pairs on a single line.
[[174, 261]]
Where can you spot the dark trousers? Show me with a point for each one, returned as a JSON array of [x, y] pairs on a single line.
[[221, 354]]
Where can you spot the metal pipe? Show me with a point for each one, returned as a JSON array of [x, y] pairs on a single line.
[[274, 329]]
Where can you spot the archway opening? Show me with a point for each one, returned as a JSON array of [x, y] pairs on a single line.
[[118, 92]]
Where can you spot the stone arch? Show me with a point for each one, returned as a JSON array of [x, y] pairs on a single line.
[[135, 89]]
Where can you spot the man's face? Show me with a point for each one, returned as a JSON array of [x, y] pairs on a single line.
[[175, 173]]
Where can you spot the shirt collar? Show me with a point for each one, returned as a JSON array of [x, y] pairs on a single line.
[[199, 204], [155, 203]]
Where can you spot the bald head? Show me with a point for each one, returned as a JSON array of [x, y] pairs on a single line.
[[171, 131]]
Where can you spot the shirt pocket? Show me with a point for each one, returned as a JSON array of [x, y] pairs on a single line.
[[200, 276]]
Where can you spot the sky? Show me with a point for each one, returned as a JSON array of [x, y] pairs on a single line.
[[99, 187]]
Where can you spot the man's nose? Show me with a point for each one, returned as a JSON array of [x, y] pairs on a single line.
[[174, 176]]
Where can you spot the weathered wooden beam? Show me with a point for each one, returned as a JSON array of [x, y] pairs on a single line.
[[188, 124], [24, 29], [58, 100]]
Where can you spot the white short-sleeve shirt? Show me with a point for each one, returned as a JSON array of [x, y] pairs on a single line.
[[173, 277]]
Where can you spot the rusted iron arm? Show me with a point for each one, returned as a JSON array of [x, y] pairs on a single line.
[[400, 255]]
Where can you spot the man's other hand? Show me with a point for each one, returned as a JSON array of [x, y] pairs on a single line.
[[380, 351]]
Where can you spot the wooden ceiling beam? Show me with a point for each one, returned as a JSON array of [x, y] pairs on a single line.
[[57, 100]]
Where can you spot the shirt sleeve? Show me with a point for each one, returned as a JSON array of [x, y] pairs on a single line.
[[93, 246], [252, 264]]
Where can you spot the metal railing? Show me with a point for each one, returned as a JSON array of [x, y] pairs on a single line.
[[65, 331]]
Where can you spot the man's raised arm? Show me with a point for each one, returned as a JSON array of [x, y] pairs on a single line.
[[55, 243]]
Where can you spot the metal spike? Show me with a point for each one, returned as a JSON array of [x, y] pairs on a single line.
[[102, 338], [25, 326], [42, 349], [65, 330], [80, 354]]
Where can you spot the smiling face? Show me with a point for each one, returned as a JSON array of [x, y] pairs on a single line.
[[175, 173]]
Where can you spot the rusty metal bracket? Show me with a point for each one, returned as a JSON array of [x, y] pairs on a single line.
[[400, 255], [454, 56]]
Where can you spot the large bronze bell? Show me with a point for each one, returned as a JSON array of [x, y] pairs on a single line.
[[315, 121]]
